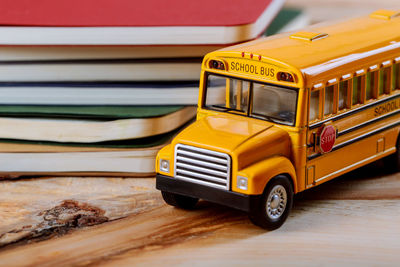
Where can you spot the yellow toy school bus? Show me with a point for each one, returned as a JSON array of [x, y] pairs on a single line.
[[279, 115]]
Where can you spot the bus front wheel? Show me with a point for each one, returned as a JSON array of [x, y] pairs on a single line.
[[179, 201], [273, 207]]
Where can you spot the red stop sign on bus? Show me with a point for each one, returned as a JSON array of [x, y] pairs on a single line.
[[327, 138]]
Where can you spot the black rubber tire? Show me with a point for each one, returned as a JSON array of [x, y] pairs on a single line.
[[258, 214], [392, 162], [179, 201]]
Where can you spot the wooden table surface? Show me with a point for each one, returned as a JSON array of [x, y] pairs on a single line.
[[64, 221], [352, 220]]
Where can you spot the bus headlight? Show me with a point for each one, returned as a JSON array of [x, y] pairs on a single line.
[[242, 182], [164, 165]]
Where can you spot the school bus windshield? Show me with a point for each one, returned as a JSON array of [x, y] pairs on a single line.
[[259, 100]]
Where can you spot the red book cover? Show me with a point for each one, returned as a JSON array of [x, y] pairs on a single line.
[[90, 13], [164, 22]]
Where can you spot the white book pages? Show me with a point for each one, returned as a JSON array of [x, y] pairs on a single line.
[[90, 131]]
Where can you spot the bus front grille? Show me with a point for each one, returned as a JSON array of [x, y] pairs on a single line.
[[202, 166]]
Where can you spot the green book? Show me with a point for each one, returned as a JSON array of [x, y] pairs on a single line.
[[87, 112], [288, 19], [90, 125]]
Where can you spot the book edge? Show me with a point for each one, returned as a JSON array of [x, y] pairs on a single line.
[[174, 35]]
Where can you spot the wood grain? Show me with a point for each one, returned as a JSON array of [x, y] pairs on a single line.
[[35, 207], [351, 220]]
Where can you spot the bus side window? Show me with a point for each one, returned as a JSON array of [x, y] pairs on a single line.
[[314, 105], [384, 81], [357, 90], [329, 99], [343, 94], [396, 76], [371, 85]]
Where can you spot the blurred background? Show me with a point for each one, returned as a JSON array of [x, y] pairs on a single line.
[[322, 10]]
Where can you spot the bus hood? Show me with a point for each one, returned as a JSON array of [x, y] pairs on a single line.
[[222, 133], [247, 140]]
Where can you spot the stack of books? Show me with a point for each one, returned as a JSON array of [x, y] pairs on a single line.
[[97, 86]]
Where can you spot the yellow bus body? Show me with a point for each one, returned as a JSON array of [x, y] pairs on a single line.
[[324, 61]]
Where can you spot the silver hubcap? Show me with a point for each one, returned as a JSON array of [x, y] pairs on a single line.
[[276, 202]]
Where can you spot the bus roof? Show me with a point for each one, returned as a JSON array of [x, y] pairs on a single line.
[[335, 45]]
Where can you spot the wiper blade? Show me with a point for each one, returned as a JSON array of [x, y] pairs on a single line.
[[225, 108], [270, 118]]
